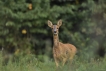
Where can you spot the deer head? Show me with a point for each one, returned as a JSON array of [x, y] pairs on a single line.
[[55, 28]]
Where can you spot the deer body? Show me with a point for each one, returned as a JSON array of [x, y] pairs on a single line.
[[61, 52]]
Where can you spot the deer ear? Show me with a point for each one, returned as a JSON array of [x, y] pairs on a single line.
[[59, 23], [50, 23]]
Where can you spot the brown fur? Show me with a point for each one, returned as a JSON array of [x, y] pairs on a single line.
[[61, 52]]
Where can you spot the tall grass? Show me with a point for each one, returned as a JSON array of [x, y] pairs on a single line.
[[43, 63]]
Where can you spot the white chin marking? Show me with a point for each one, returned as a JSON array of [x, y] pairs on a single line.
[[55, 34]]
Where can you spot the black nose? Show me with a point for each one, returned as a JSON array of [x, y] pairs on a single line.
[[54, 31]]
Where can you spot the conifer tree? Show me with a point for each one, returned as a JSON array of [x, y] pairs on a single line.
[[19, 20]]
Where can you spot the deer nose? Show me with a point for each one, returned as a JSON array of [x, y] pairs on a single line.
[[54, 31]]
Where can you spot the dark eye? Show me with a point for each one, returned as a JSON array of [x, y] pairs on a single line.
[[57, 28]]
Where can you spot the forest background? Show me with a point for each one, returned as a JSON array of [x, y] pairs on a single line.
[[23, 26]]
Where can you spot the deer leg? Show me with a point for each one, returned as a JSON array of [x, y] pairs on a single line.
[[64, 61], [71, 58], [56, 62]]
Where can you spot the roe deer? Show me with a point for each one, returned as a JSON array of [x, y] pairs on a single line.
[[61, 52]]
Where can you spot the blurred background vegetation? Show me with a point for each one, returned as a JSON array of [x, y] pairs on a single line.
[[23, 26]]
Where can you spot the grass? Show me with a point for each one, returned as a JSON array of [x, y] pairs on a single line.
[[43, 63]]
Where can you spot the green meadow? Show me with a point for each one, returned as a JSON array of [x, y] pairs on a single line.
[[44, 63]]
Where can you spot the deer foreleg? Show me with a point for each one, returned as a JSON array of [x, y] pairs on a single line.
[[56, 62], [64, 61]]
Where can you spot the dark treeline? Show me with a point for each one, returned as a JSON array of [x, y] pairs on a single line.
[[23, 25]]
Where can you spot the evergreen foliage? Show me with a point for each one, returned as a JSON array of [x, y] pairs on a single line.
[[23, 25]]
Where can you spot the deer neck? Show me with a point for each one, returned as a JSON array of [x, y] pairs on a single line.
[[56, 40]]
